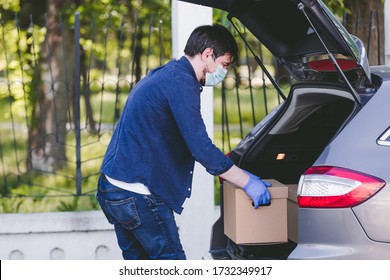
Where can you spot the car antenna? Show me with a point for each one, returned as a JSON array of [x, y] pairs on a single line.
[[258, 60], [301, 7]]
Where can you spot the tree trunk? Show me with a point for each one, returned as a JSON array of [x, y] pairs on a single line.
[[51, 111], [366, 21]]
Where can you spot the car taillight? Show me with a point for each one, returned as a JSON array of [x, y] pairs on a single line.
[[335, 187], [327, 65]]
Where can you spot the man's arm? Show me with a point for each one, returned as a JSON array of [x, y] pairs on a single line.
[[236, 176], [255, 188]]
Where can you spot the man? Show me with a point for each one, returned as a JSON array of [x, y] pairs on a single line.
[[148, 167]]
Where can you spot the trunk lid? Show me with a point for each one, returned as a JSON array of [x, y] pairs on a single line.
[[297, 38]]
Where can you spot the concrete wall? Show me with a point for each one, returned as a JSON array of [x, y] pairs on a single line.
[[84, 235], [63, 235]]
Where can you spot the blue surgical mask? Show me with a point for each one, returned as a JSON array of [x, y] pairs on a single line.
[[215, 77]]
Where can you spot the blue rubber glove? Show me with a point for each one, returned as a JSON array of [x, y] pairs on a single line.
[[256, 189], [267, 184]]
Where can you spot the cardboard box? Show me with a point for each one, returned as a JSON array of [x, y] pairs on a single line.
[[292, 213], [246, 225]]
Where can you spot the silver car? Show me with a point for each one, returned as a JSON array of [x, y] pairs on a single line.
[[330, 136]]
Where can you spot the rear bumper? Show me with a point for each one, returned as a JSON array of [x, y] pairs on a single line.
[[335, 234], [373, 251]]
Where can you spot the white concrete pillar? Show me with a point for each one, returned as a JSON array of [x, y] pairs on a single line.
[[198, 214], [387, 32]]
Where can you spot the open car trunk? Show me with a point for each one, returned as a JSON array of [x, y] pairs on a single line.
[[310, 118], [292, 141]]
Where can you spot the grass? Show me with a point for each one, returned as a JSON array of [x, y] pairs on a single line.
[[241, 104], [25, 191]]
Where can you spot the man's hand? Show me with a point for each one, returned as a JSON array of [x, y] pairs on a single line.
[[257, 190]]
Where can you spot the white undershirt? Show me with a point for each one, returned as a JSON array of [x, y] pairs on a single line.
[[133, 187]]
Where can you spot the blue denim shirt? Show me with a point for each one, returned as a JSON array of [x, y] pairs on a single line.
[[161, 133]]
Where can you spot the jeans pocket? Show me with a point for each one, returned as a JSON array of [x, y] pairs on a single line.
[[125, 212]]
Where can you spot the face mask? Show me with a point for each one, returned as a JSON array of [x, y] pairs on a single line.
[[217, 76]]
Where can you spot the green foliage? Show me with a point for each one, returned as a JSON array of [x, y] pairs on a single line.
[[20, 42], [336, 6], [24, 204], [11, 205], [68, 206], [19, 51], [10, 5]]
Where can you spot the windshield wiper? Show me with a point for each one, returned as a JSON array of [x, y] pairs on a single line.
[[258, 60]]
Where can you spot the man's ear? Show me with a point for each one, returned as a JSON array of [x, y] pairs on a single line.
[[206, 53]]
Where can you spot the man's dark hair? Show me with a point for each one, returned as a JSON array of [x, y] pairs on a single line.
[[216, 37]]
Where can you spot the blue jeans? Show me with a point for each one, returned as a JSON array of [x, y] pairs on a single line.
[[145, 227]]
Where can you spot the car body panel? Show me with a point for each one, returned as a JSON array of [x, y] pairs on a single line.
[[361, 134], [374, 216], [335, 234], [356, 148]]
